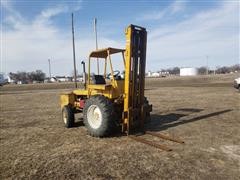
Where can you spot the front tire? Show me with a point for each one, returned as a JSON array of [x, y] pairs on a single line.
[[98, 116], [68, 116]]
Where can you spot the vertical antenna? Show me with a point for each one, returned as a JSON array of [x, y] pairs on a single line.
[[95, 31], [74, 57], [207, 65], [49, 69]]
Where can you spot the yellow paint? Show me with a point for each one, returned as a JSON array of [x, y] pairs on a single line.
[[127, 59], [107, 90], [100, 86], [79, 92], [67, 99]]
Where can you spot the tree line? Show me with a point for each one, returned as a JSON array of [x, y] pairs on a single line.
[[39, 75], [28, 77], [219, 69], [206, 70]]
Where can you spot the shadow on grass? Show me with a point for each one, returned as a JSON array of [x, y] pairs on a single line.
[[163, 122], [189, 110]]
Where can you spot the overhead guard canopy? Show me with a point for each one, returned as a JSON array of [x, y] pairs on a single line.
[[103, 53]]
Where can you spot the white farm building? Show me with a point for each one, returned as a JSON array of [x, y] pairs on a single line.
[[188, 71]]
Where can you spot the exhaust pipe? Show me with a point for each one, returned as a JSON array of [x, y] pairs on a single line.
[[84, 74]]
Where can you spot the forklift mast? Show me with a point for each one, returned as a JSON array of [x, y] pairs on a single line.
[[135, 63]]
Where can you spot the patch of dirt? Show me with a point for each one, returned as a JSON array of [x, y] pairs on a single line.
[[233, 151]]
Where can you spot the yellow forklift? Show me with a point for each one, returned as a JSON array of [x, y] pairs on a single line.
[[109, 100]]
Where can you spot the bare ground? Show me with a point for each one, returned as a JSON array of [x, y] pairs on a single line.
[[204, 111]]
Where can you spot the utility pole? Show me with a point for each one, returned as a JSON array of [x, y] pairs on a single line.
[[95, 31], [74, 57], [49, 69], [207, 65]]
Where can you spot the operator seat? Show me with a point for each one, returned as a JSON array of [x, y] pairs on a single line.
[[98, 79]]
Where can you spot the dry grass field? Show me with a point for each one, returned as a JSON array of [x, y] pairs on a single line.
[[204, 111]]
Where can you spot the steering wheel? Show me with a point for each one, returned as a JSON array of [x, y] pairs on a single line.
[[115, 74]]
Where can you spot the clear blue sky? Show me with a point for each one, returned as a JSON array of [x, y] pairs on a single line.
[[180, 33]]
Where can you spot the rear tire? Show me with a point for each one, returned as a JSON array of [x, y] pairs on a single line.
[[98, 116], [68, 116]]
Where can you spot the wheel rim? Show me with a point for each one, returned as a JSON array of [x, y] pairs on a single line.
[[64, 117], [94, 116]]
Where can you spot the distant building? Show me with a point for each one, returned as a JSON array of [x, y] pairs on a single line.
[[188, 71], [53, 79], [63, 79], [50, 80], [58, 79], [155, 74], [149, 73], [79, 79], [11, 80]]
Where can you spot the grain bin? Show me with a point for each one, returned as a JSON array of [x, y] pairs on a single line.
[[188, 71]]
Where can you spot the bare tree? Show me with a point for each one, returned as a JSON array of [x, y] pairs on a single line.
[[37, 75], [202, 70], [175, 70], [223, 70], [234, 68], [26, 77]]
